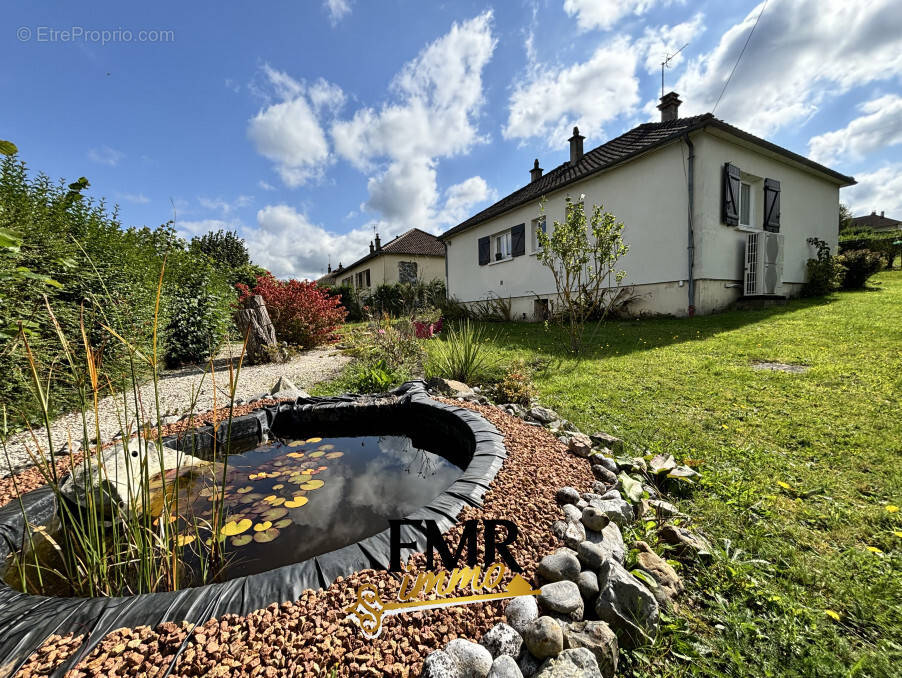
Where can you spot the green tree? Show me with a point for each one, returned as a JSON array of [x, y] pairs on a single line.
[[845, 217], [228, 253], [582, 255]]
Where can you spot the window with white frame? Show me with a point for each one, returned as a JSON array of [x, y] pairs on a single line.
[[745, 205], [501, 246], [538, 226]]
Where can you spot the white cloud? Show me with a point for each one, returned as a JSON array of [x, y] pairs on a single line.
[[437, 98], [337, 9], [460, 198], [137, 198], [289, 132], [189, 229], [802, 53], [105, 156], [265, 185], [552, 100], [604, 13], [879, 127], [289, 245], [225, 207], [880, 190], [660, 41]]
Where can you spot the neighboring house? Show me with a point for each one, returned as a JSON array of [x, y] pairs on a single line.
[[876, 222], [414, 256], [689, 191]]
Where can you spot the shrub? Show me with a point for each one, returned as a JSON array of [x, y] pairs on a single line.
[[824, 273], [865, 239], [404, 299], [461, 354], [350, 301], [515, 387], [302, 313], [372, 377], [859, 266]]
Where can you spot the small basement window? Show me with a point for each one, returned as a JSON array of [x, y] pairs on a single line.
[[501, 246]]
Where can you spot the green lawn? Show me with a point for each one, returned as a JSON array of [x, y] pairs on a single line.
[[798, 470]]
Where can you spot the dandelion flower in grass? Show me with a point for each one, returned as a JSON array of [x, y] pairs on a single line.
[[892, 508], [898, 533], [833, 614], [874, 549]]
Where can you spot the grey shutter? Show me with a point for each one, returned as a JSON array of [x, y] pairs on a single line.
[[518, 240], [484, 251], [730, 210], [772, 205]]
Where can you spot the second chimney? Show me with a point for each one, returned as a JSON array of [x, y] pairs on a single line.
[[669, 106], [576, 146], [378, 243], [372, 249], [536, 172]]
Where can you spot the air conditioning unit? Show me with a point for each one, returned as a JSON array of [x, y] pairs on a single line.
[[763, 263]]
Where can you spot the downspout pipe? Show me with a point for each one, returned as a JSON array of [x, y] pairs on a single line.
[[691, 232]]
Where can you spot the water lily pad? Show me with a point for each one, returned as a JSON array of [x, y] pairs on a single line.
[[266, 535], [278, 501], [278, 487], [285, 522], [185, 539], [326, 448], [295, 455], [270, 498], [314, 440], [312, 485], [232, 528], [265, 525], [241, 540], [316, 455], [245, 489], [297, 502], [335, 455], [295, 443], [275, 514]]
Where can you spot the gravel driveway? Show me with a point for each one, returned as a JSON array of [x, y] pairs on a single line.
[[176, 389]]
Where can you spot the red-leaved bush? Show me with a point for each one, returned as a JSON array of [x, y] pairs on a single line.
[[302, 313]]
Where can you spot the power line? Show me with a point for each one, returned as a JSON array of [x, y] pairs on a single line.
[[739, 58]]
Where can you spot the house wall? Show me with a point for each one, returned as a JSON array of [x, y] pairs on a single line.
[[809, 207], [384, 269], [647, 194]]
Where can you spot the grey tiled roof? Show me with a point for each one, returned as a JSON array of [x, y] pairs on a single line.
[[414, 242], [638, 140]]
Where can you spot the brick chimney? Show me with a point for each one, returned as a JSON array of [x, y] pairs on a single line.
[[536, 172], [881, 214], [371, 247], [576, 146], [669, 106], [378, 243]]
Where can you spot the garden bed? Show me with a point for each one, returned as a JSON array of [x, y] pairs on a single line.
[[311, 635]]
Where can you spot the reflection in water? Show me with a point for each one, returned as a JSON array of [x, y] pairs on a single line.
[[319, 494]]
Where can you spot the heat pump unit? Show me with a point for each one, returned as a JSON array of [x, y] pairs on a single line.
[[763, 263]]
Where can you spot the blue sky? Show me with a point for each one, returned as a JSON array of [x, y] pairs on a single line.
[[305, 125]]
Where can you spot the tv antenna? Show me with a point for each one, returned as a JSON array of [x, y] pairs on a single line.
[[666, 64]]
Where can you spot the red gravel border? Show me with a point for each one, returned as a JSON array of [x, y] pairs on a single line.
[[311, 635]]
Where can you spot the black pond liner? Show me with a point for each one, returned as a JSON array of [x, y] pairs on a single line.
[[27, 620]]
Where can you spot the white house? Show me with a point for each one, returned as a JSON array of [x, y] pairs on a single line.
[[689, 191]]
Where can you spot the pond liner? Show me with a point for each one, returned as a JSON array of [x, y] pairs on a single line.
[[27, 620]]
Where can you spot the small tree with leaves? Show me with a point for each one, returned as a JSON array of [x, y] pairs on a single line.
[[582, 255]]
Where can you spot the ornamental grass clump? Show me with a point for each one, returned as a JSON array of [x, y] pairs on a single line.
[[461, 354]]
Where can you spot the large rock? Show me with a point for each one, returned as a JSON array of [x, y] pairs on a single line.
[[520, 612], [617, 510], [626, 605], [558, 566], [505, 667], [502, 639], [594, 519], [440, 664], [562, 598], [574, 534], [571, 513], [543, 415], [613, 443], [610, 540], [117, 478], [515, 409], [451, 388], [580, 444], [663, 508], [566, 495], [473, 660], [284, 388], [599, 639], [544, 637], [669, 585], [604, 474], [576, 663], [606, 462], [687, 544]]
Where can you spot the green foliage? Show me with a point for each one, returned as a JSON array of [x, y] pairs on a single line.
[[350, 300], [459, 353], [372, 377], [859, 266], [865, 239], [402, 300], [515, 386], [824, 273], [582, 255], [228, 254], [845, 218]]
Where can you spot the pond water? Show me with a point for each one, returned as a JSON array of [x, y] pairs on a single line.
[[292, 499]]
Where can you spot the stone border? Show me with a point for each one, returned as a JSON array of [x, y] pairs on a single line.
[[26, 620]]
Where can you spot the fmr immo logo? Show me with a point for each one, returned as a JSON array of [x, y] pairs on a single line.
[[369, 610]]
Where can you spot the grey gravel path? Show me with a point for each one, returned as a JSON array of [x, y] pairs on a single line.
[[176, 388]]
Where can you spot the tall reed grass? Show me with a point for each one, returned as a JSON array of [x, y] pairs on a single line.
[[461, 353]]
